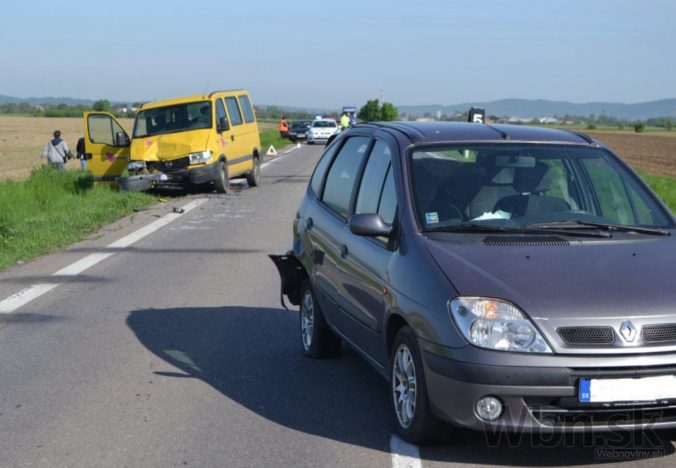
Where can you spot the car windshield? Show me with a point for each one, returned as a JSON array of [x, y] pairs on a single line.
[[515, 186], [300, 124], [170, 119], [323, 123]]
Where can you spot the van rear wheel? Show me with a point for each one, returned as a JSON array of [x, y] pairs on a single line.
[[253, 178], [222, 181]]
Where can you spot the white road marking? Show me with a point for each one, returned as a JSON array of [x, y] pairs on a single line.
[[404, 455], [23, 297], [267, 163]]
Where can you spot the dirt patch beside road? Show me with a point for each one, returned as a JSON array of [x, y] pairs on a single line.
[[651, 153]]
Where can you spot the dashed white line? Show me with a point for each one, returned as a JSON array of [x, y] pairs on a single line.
[[23, 297], [404, 455]]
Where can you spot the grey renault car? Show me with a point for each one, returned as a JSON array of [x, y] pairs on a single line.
[[499, 277]]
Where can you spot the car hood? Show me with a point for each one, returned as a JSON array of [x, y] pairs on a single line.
[[595, 283], [170, 145]]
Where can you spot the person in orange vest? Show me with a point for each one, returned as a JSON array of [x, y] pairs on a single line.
[[283, 127]]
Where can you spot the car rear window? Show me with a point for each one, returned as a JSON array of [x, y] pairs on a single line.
[[341, 176]]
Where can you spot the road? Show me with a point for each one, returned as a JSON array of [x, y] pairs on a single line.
[[172, 350]]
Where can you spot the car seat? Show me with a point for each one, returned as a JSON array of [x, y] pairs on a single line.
[[530, 184]]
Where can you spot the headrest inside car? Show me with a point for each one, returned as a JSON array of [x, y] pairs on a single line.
[[535, 179]]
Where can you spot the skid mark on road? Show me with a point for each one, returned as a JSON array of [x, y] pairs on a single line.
[[23, 297]]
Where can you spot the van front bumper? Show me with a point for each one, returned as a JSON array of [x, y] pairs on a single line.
[[538, 398], [195, 176]]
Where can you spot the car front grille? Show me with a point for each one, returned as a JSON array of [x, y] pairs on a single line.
[[168, 166], [587, 335], [555, 415], [665, 333]]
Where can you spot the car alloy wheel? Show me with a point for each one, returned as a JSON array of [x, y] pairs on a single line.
[[404, 385], [307, 320]]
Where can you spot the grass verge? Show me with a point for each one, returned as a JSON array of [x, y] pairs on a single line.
[[664, 187], [271, 137], [53, 209]]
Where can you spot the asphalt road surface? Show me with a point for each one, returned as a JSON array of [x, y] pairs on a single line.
[[170, 348]]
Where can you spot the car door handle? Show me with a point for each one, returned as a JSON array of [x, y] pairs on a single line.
[[343, 251], [232, 137], [308, 224]]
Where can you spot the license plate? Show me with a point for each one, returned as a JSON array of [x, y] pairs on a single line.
[[627, 390]]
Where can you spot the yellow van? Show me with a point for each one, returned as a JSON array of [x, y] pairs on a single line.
[[195, 140]]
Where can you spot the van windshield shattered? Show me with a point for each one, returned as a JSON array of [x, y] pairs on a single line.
[[171, 119], [511, 186]]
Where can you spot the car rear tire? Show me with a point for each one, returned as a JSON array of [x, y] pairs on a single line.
[[413, 417], [222, 183], [317, 339], [253, 178]]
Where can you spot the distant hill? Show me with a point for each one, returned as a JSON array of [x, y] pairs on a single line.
[[51, 100], [543, 108]]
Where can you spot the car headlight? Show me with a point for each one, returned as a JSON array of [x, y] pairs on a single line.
[[201, 157], [135, 165], [495, 324]]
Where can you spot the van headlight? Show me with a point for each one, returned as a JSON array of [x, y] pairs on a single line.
[[495, 324], [199, 158], [136, 165]]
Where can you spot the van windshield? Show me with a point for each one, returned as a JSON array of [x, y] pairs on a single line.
[[171, 119], [512, 185]]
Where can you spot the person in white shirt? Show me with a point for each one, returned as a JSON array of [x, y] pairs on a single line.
[[57, 152]]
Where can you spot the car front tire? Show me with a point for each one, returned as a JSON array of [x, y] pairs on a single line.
[[253, 178], [410, 405], [222, 183], [317, 339]]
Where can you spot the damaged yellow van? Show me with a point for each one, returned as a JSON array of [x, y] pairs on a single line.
[[189, 141]]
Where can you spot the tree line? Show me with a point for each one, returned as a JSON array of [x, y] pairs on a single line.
[[67, 110]]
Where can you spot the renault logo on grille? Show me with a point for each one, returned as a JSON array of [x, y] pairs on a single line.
[[628, 331], [168, 164]]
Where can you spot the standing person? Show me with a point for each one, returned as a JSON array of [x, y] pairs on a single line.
[[57, 152], [283, 127], [80, 152], [344, 122]]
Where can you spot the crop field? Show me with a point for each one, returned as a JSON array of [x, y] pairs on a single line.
[[653, 153], [23, 138]]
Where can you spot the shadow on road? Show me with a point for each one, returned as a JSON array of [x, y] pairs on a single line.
[[251, 355]]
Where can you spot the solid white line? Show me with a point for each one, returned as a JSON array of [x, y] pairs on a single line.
[[404, 455], [135, 236], [23, 297]]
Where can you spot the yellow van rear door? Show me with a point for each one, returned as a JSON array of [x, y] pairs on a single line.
[[107, 144]]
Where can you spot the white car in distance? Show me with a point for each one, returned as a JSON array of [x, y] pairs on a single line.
[[321, 130]]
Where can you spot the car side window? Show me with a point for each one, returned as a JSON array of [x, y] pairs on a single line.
[[372, 181], [233, 110], [245, 104], [387, 207], [341, 176], [320, 170]]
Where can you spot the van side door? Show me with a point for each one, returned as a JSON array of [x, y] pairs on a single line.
[[239, 149], [107, 144]]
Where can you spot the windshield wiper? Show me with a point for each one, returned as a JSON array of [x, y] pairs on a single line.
[[575, 224], [533, 229]]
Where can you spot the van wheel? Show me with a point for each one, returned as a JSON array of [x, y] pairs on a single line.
[[413, 418], [317, 339], [222, 181], [253, 178]]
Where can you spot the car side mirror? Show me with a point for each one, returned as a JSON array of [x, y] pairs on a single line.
[[369, 225], [121, 139], [223, 125]]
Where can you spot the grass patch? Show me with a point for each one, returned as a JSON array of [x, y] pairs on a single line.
[[665, 187], [271, 137], [53, 209]]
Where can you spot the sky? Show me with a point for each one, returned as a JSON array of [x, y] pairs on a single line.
[[325, 54]]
